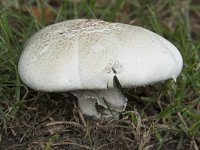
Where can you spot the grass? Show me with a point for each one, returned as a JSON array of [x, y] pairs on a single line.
[[167, 116]]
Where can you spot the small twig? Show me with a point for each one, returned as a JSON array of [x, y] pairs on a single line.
[[13, 132], [70, 143], [82, 118], [65, 122], [81, 115], [27, 125], [49, 115], [16, 145], [24, 135], [115, 126], [179, 114], [194, 144], [103, 145]]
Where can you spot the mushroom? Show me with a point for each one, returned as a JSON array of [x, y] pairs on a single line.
[[87, 57]]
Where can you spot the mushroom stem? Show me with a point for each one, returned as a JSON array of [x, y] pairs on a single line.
[[88, 107], [105, 103]]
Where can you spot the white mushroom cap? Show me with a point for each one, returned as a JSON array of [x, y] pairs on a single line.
[[87, 54]]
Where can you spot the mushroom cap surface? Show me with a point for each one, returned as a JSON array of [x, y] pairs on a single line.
[[87, 54]]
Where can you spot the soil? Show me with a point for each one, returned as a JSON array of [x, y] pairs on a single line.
[[53, 121]]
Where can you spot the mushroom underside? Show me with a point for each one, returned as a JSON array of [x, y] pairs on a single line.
[[101, 103]]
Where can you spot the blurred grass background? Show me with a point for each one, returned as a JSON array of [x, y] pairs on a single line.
[[177, 105]]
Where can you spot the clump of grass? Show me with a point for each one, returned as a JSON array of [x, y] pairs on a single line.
[[176, 116]]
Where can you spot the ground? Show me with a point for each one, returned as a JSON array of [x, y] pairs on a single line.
[[162, 116]]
